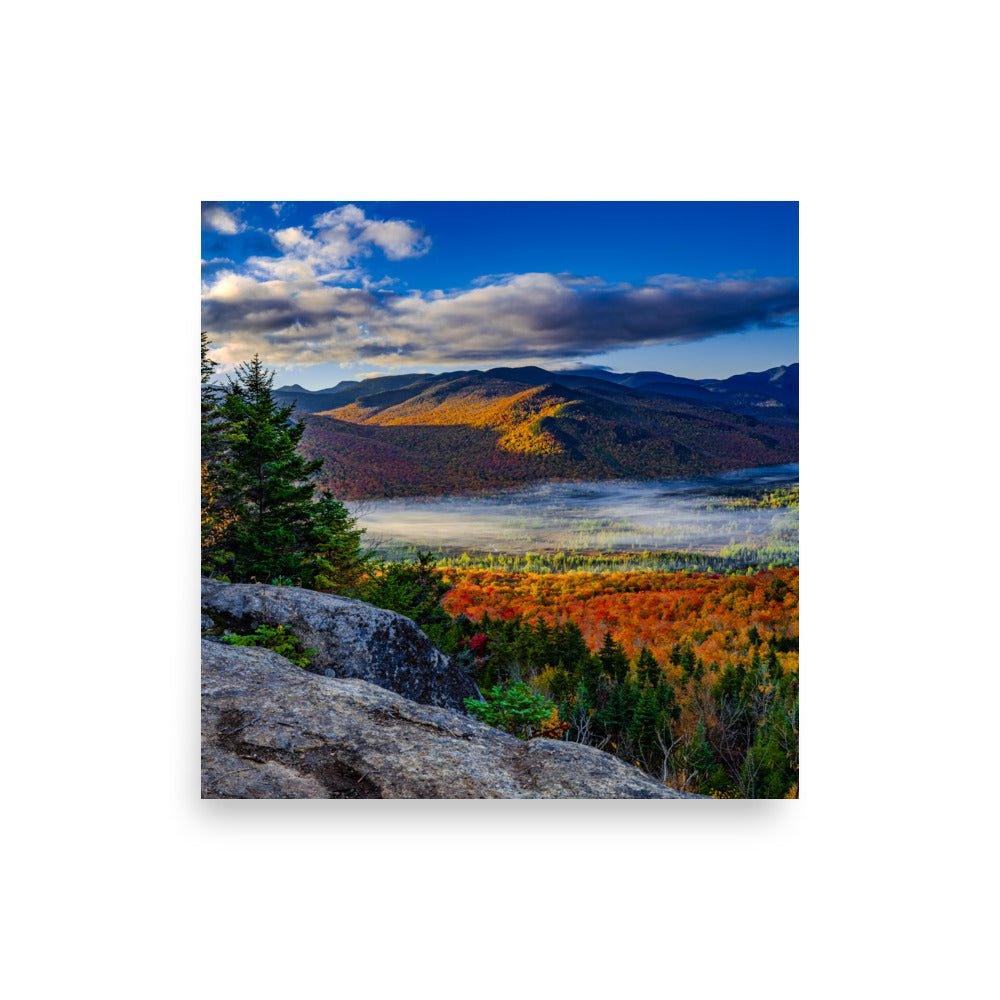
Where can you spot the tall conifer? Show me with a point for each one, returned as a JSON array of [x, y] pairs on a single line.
[[213, 516], [265, 482]]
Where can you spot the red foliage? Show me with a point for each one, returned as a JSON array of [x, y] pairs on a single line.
[[713, 613]]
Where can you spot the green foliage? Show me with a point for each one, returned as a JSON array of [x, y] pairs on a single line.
[[753, 730], [701, 766], [279, 638], [211, 439], [614, 662], [629, 709], [213, 513], [415, 590], [516, 708], [266, 483], [261, 518], [647, 670], [336, 561], [650, 728]]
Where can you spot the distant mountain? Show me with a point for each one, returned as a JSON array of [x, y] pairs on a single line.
[[776, 388], [457, 431], [314, 400], [771, 395], [295, 387]]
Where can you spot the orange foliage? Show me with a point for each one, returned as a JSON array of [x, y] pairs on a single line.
[[518, 416], [553, 727], [713, 613]]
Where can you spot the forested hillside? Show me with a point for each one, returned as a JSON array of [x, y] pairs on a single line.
[[468, 431], [713, 614], [691, 676]]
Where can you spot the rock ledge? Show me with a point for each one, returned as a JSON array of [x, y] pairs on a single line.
[[273, 730], [351, 638]]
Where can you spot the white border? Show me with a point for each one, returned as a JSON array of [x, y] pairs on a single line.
[[875, 117]]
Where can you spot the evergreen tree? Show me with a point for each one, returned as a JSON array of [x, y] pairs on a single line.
[[415, 590], [337, 561], [561, 686], [211, 437], [616, 717], [568, 646], [590, 670], [703, 768], [647, 669], [651, 726], [613, 659], [770, 768], [266, 484], [213, 514]]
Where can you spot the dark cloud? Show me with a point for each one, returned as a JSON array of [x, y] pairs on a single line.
[[513, 317]]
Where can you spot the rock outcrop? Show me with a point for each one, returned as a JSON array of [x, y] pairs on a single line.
[[273, 730], [351, 638]]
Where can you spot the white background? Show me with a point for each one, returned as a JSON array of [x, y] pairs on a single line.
[[120, 118]]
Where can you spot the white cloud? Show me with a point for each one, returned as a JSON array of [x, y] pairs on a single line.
[[220, 219], [396, 239], [337, 239]]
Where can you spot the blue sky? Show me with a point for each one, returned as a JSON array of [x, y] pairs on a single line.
[[332, 290]]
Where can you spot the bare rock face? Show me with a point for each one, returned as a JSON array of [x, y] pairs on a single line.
[[351, 638], [273, 730]]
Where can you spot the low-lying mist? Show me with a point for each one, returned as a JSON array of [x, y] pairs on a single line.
[[617, 516]]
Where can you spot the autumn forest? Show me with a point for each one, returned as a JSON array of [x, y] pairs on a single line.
[[653, 616]]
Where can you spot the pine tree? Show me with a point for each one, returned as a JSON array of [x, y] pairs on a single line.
[[702, 766], [213, 514], [337, 562], [569, 649], [210, 434], [651, 727], [415, 590], [613, 659], [616, 717], [266, 484], [647, 669]]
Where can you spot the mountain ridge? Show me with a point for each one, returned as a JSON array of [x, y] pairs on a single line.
[[771, 394], [462, 431]]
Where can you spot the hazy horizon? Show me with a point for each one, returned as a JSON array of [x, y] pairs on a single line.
[[578, 370]]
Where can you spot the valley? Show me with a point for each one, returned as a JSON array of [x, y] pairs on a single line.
[[714, 515]]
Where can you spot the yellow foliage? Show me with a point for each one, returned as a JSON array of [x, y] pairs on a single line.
[[553, 727], [517, 416]]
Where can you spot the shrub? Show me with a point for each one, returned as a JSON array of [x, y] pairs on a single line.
[[279, 639], [516, 709]]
